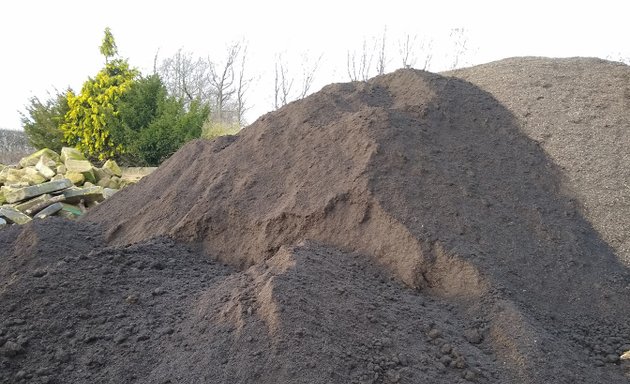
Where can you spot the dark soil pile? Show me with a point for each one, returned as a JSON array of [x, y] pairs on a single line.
[[578, 110], [408, 229]]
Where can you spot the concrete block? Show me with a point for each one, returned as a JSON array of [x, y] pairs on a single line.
[[13, 215], [20, 194]]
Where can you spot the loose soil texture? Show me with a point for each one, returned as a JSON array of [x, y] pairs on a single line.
[[413, 228]]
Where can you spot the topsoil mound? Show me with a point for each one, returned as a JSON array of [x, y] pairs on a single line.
[[413, 228]]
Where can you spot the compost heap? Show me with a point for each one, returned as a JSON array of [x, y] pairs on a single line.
[[415, 228]]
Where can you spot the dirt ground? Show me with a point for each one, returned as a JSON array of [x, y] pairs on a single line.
[[462, 227]]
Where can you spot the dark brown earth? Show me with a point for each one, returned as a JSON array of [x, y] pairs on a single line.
[[464, 227]]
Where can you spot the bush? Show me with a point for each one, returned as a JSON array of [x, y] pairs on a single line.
[[153, 124], [43, 122], [94, 112], [170, 130]]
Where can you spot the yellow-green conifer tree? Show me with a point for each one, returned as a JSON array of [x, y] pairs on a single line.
[[94, 112]]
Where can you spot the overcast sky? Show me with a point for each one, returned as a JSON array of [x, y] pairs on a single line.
[[54, 44]]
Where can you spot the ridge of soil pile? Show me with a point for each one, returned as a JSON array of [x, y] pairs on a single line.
[[577, 109], [411, 228]]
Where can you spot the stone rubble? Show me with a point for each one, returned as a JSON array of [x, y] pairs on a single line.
[[46, 183]]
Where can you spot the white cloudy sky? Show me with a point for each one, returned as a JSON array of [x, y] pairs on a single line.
[[54, 44]]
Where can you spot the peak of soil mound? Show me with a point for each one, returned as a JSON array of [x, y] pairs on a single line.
[[578, 110], [431, 175], [402, 230]]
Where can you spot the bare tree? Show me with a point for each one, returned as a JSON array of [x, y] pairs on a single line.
[[426, 47], [286, 83], [412, 50], [460, 41], [241, 87], [308, 74], [221, 78], [381, 61], [155, 59], [283, 83], [359, 64], [186, 77], [406, 50]]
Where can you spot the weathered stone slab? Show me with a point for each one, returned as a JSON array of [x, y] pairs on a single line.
[[73, 209], [89, 194], [13, 215], [20, 194], [3, 190], [49, 211], [109, 192], [43, 167], [104, 182], [23, 207], [136, 173], [77, 178], [114, 182], [32, 176], [12, 175], [61, 169], [18, 184], [100, 174], [39, 206], [3, 222], [71, 153], [89, 176], [112, 168], [80, 166], [32, 159]]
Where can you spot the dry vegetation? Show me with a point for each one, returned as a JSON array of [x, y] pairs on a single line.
[[13, 146]]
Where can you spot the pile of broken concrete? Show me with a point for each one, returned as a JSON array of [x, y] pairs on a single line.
[[46, 183]]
